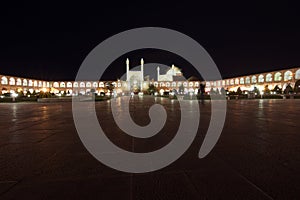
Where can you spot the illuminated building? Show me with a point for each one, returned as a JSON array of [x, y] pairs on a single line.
[[135, 81]]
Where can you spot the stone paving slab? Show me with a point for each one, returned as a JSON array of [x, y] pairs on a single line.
[[256, 157]]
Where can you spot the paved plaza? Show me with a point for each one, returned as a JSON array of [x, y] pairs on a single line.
[[256, 157]]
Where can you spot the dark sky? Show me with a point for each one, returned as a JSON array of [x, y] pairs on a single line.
[[50, 40]]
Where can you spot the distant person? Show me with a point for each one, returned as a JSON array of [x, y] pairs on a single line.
[[202, 92]]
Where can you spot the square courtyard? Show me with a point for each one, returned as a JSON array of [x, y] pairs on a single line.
[[256, 157]]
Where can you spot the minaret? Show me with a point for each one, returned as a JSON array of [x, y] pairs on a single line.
[[142, 73], [173, 71], [127, 69], [157, 73], [142, 69]]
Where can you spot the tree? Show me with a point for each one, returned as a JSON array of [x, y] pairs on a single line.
[[151, 89], [256, 91], [297, 86], [239, 91], [288, 89], [44, 95], [277, 90], [267, 90], [110, 87], [21, 94]]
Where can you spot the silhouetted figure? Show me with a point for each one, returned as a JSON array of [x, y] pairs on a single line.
[[202, 92]]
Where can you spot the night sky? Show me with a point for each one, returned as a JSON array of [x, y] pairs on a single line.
[[49, 41]]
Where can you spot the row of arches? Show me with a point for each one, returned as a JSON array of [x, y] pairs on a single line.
[[174, 84], [277, 77], [23, 82], [255, 79], [35, 83], [83, 84]]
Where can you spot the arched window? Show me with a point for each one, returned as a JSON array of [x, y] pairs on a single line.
[[242, 81], [30, 83], [55, 84], [4, 80], [277, 76], [35, 83], [95, 84], [173, 84], [69, 84], [24, 82], [288, 75], [236, 81], [12, 81], [88, 84], [82, 84], [62, 84], [261, 78], [297, 74], [253, 79], [75, 85], [167, 84], [19, 81], [247, 80], [231, 82], [191, 84], [269, 78]]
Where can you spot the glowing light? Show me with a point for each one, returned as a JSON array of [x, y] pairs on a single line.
[[14, 95], [161, 91]]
